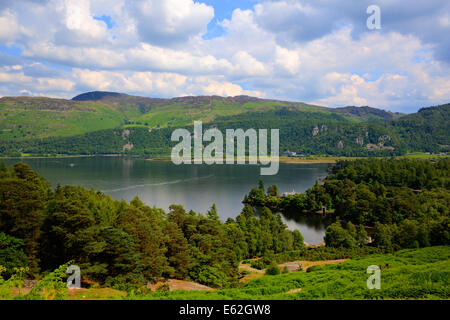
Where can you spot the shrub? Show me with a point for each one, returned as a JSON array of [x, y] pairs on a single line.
[[313, 268], [51, 287], [258, 264], [273, 269], [163, 288]]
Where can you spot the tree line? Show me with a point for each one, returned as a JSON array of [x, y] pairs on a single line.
[[305, 132], [401, 203], [117, 243]]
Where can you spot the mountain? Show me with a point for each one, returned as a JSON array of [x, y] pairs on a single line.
[[96, 95], [205, 102], [367, 113], [35, 117], [110, 122]]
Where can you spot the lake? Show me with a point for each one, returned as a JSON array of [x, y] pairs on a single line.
[[196, 187]]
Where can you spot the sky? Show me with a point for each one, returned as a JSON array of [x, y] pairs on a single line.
[[315, 51]]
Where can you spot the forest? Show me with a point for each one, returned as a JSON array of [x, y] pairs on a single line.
[[373, 207], [303, 132], [115, 242], [401, 203]]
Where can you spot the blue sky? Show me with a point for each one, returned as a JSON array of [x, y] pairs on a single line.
[[223, 10], [301, 50]]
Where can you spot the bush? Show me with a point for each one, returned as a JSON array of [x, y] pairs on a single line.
[[11, 254], [273, 269], [52, 287], [163, 288], [258, 264], [128, 283], [313, 268]]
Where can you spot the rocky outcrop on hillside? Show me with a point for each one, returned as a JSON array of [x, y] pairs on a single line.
[[45, 104], [366, 112]]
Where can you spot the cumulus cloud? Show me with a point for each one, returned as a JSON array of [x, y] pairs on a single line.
[[300, 21], [13, 79], [304, 50], [170, 22], [9, 26], [161, 83]]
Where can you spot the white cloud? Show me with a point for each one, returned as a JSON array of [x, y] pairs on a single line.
[[444, 20], [16, 79], [246, 64], [287, 61], [9, 27], [227, 89], [160, 83], [79, 26], [170, 22], [295, 50]]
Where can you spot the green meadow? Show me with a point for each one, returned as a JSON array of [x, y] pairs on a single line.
[[406, 274]]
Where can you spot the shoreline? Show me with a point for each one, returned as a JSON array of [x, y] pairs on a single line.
[[282, 159]]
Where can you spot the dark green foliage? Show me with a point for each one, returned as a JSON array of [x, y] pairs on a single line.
[[299, 242], [11, 253], [144, 225], [403, 203], [313, 268], [334, 134], [336, 236], [273, 191], [124, 244], [361, 236], [22, 201], [118, 243], [273, 270]]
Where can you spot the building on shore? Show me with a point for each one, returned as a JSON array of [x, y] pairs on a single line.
[[293, 193]]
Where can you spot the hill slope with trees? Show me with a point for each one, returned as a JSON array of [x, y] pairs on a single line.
[[113, 123]]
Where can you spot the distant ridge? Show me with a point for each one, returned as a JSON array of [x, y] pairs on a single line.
[[119, 97], [97, 95], [146, 103], [367, 112], [101, 122]]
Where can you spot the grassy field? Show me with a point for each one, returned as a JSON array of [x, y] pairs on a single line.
[[179, 114], [333, 159], [42, 117], [25, 117], [406, 274]]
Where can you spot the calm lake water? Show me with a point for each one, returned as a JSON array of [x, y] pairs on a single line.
[[196, 187]]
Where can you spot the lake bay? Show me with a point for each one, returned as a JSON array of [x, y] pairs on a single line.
[[196, 187]]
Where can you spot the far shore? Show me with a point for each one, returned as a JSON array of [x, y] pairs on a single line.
[[282, 159]]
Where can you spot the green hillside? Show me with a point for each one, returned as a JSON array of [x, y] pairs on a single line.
[[406, 274], [105, 122], [125, 246], [31, 117], [24, 117]]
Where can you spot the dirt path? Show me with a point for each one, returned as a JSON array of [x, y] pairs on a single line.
[[305, 264], [179, 285], [292, 266]]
